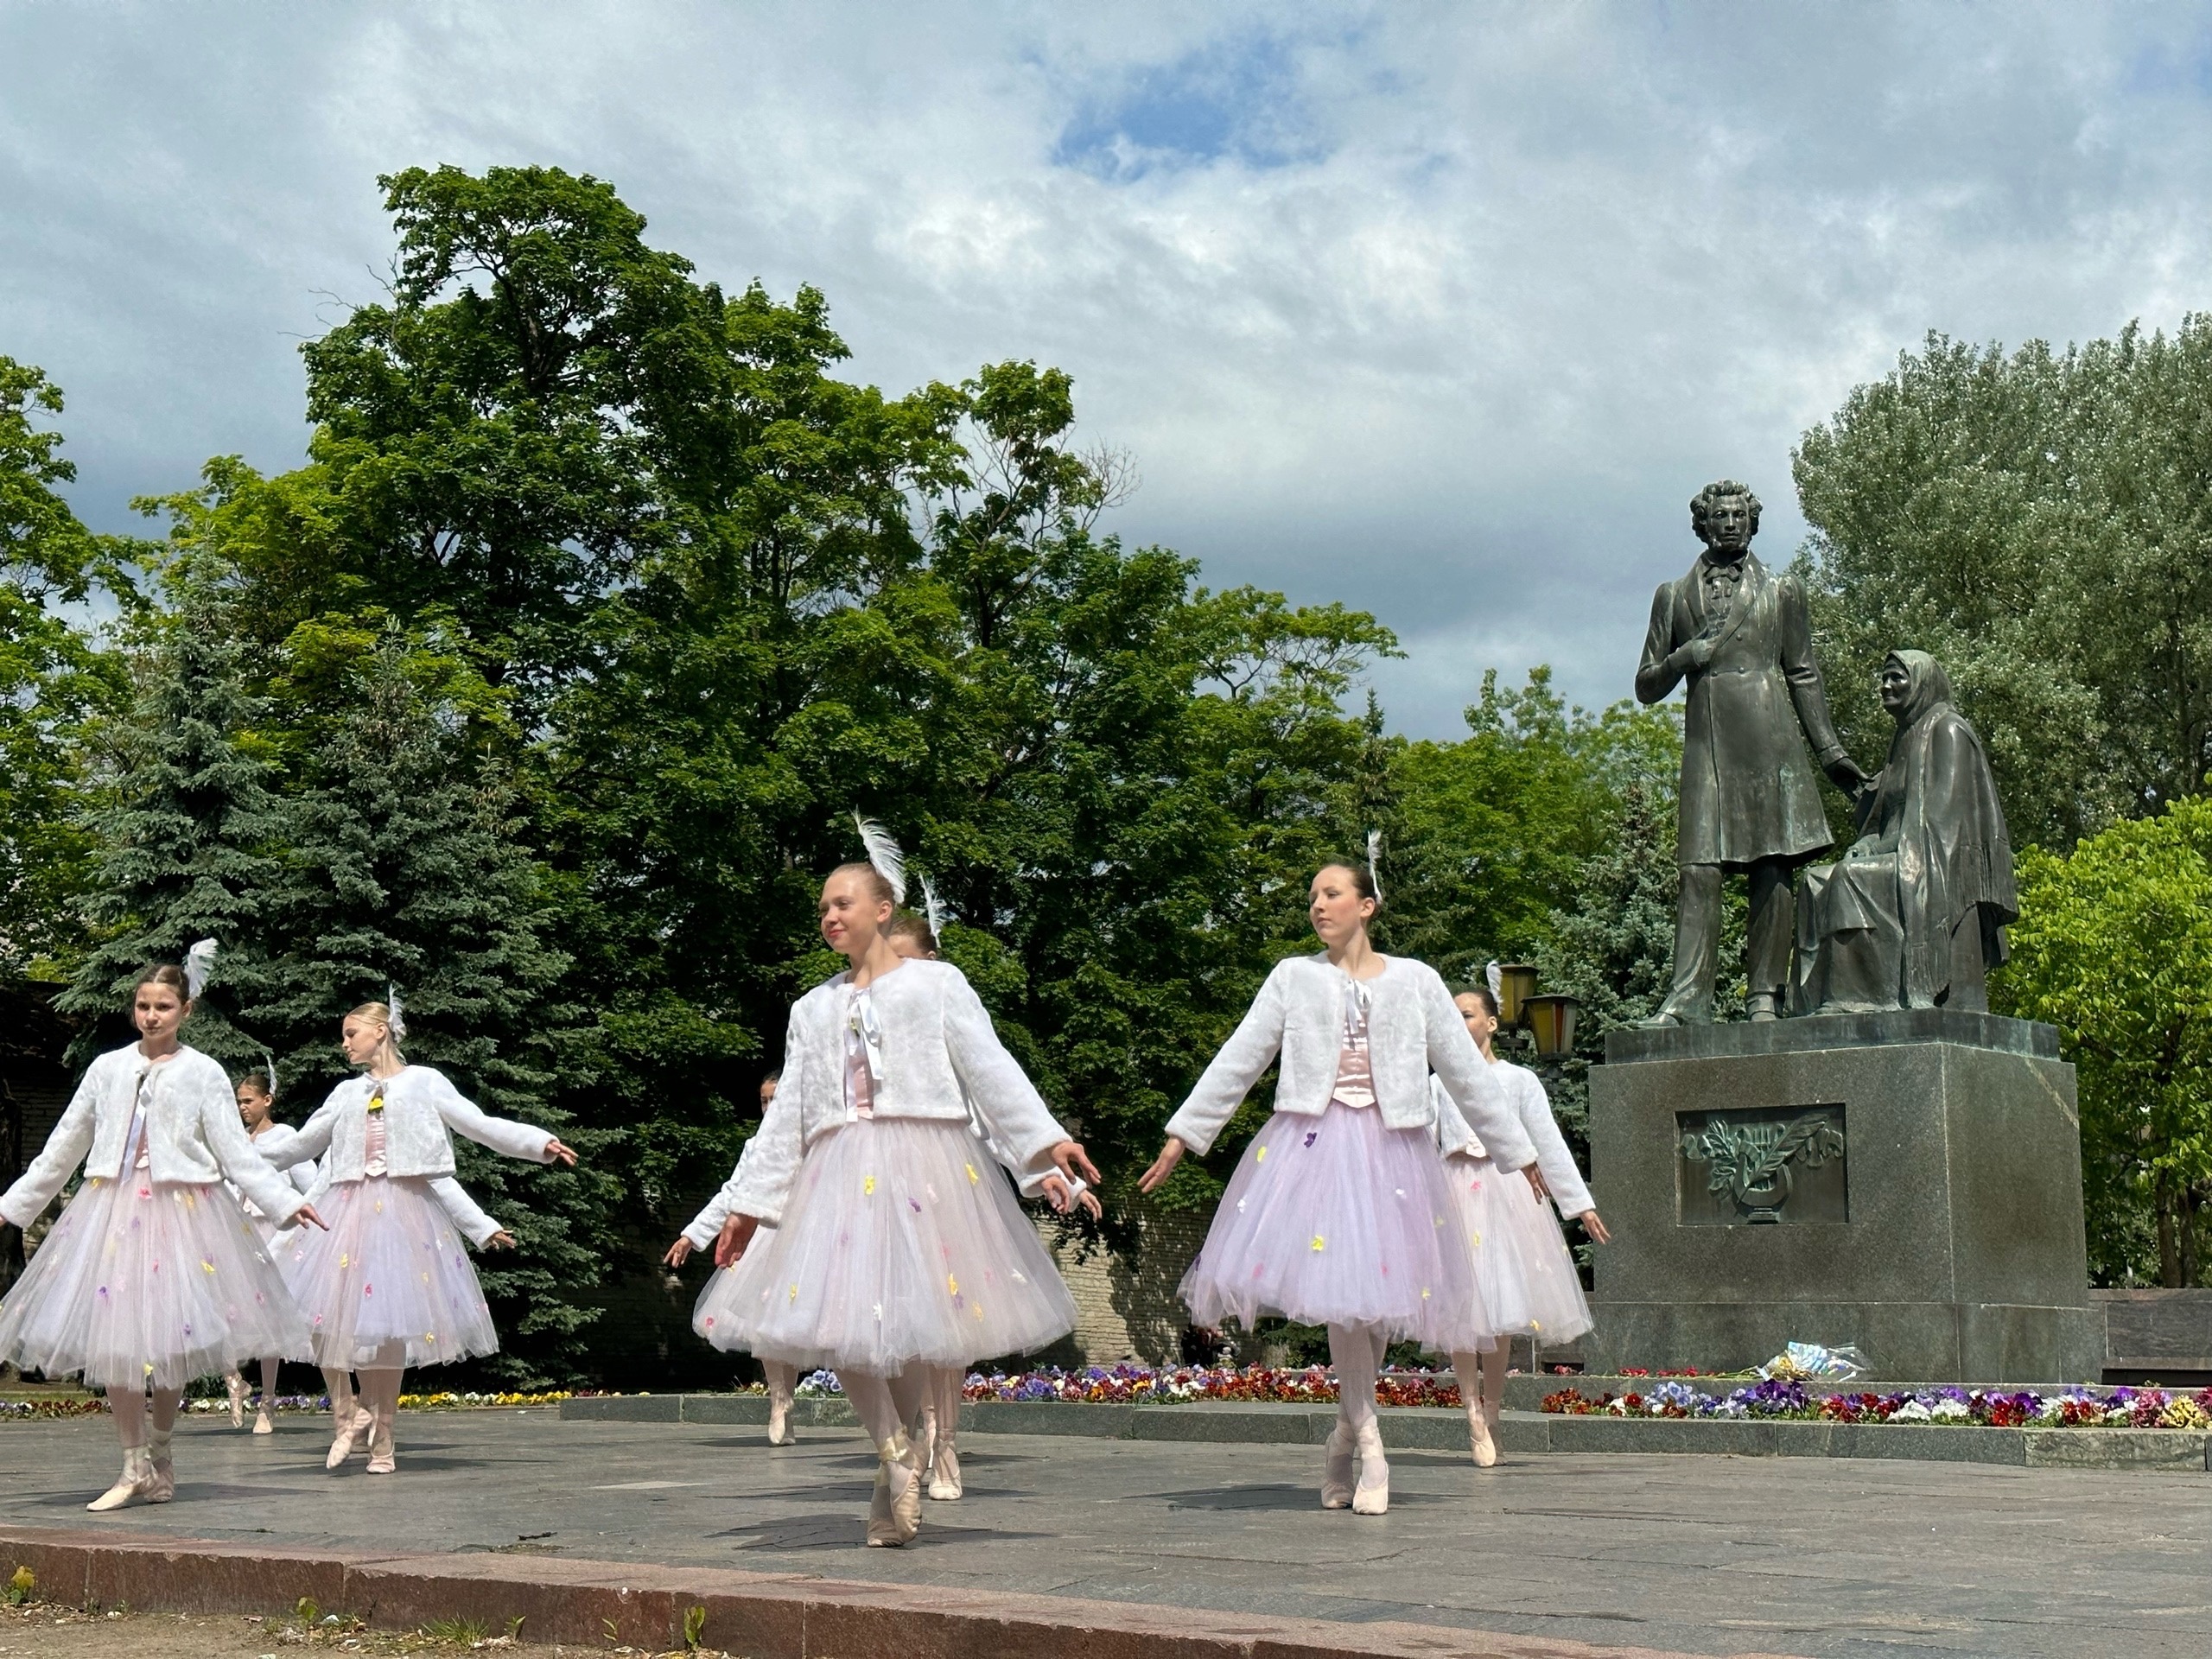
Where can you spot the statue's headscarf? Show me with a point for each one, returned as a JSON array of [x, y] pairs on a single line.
[[1927, 688]]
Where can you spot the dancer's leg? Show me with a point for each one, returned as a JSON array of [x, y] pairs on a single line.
[[264, 1420], [235, 1385], [1354, 1351], [1474, 1382], [895, 1509], [945, 1383], [128, 1407], [917, 1402], [783, 1383], [346, 1426], [381, 1384], [158, 1430]]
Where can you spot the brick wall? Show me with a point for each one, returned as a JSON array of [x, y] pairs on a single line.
[[1125, 1305]]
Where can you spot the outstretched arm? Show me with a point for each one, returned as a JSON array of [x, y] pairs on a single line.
[[64, 1150]]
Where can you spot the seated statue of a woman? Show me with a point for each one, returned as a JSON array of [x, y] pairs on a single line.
[[1913, 916]]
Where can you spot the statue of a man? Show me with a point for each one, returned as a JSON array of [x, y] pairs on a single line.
[[1749, 802]]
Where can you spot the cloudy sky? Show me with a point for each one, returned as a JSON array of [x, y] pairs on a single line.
[[1444, 311]]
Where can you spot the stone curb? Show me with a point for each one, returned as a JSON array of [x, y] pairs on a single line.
[[1429, 1429], [764, 1615]]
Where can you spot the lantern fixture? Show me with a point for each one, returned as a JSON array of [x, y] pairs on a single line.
[[1516, 984], [1550, 1021]]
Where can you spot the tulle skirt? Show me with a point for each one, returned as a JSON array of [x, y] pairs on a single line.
[[1341, 1220], [145, 1283], [1524, 1273], [391, 1283], [902, 1243]]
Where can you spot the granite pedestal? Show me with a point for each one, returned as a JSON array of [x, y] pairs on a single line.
[[1909, 1182]]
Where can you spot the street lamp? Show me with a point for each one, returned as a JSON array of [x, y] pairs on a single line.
[[1516, 984], [1550, 1021]]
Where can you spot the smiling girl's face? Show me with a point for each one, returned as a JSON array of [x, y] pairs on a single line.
[[853, 912]]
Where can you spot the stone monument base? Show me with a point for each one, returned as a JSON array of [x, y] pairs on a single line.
[[1909, 1182]]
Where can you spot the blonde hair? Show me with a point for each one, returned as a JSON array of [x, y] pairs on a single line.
[[381, 1014], [876, 881]]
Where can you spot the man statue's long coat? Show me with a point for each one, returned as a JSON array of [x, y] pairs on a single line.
[[1748, 790]]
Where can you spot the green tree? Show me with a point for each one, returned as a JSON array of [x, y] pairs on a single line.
[[402, 866], [186, 832], [55, 684], [2038, 522], [2114, 947]]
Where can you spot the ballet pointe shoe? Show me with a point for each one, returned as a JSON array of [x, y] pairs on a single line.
[[1372, 1495], [382, 1460], [238, 1390], [894, 1513], [353, 1427], [263, 1422], [921, 1434], [133, 1483], [945, 1472], [161, 1479], [779, 1420], [1336, 1468], [1480, 1440]]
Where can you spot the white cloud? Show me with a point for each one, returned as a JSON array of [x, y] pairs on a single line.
[[1443, 311]]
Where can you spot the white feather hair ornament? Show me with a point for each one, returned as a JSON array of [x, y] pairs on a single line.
[[199, 963], [395, 1011], [933, 909], [1495, 976], [269, 1071], [883, 853], [1374, 858]]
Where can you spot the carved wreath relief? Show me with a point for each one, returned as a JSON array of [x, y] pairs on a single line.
[[1762, 1166]]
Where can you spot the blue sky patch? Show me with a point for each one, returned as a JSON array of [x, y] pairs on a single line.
[[1237, 99]]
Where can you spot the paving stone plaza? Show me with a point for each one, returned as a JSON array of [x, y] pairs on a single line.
[[1834, 1558]]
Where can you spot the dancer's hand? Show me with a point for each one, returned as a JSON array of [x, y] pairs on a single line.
[[1074, 1161], [305, 1212], [679, 1253], [1595, 1227], [1536, 1182], [1162, 1166], [502, 1240], [567, 1154], [737, 1233], [1057, 1195]]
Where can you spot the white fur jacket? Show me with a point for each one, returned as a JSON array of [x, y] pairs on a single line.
[[1412, 1029], [419, 1105], [1533, 1108], [193, 1135], [931, 1054], [453, 1198]]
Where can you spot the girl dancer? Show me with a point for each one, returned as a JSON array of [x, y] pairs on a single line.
[[389, 1286], [1339, 1213], [153, 1275], [733, 1284], [256, 1098], [1523, 1270], [936, 1429], [893, 1252]]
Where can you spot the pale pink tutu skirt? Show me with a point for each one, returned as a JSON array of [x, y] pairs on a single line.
[[902, 1243], [391, 1283], [1340, 1220], [149, 1284], [1524, 1273]]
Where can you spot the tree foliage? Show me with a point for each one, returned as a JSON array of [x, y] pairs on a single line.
[[2039, 522], [2114, 947]]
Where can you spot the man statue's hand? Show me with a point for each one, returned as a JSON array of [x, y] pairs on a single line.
[[1697, 652], [1843, 772]]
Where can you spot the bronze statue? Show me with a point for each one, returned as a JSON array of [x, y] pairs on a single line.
[[1750, 800], [1913, 916]]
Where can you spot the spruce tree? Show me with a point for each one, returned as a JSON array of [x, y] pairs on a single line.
[[405, 867], [186, 836]]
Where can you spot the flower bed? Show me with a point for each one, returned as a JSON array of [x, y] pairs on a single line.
[[84, 1405], [1143, 1385], [1993, 1409]]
